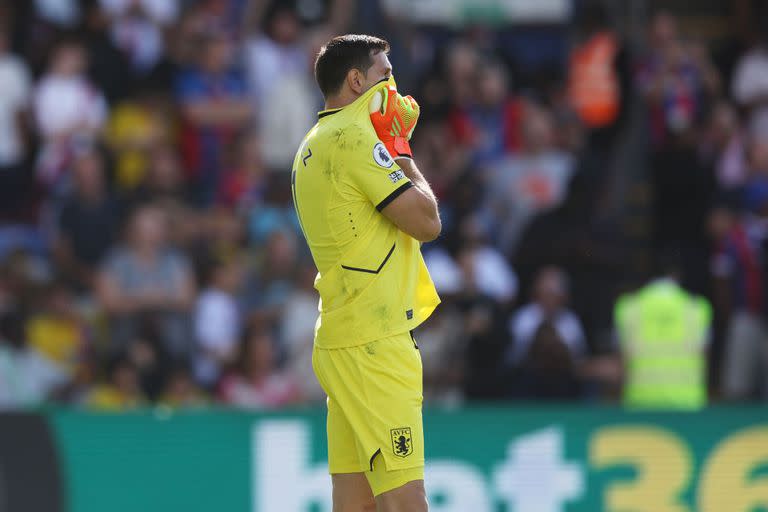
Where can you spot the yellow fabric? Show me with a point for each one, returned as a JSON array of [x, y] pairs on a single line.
[[60, 340], [374, 408], [109, 398], [382, 480], [663, 331], [131, 126], [372, 279]]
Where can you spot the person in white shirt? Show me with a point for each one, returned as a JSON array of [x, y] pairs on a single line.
[[69, 110], [550, 297], [217, 323]]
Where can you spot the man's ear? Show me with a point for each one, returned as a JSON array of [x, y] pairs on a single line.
[[355, 80]]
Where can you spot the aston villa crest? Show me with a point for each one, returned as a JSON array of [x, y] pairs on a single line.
[[402, 443]]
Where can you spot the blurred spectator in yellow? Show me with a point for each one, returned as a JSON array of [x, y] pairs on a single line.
[[119, 392], [136, 127], [145, 277], [57, 331], [69, 111], [258, 383], [88, 224], [664, 333]]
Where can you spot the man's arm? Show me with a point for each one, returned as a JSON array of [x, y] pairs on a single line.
[[415, 211]]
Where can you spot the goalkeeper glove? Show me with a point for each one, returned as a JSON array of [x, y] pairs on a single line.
[[394, 120]]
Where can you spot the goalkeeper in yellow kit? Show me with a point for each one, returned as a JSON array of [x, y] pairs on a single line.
[[364, 208]]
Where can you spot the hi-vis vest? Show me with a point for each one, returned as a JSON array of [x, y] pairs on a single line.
[[663, 331], [593, 87]]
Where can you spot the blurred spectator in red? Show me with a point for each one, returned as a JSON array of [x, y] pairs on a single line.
[[69, 111], [549, 305], [217, 321], [287, 106], [489, 123], [676, 78], [120, 391], [145, 277], [258, 383], [739, 266], [58, 332], [214, 108], [27, 378], [15, 91], [88, 224], [529, 182], [244, 184]]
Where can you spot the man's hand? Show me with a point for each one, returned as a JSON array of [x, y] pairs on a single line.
[[394, 122]]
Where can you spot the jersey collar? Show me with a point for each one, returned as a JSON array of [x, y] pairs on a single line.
[[368, 93]]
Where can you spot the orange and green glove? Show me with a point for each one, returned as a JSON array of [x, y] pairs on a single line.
[[394, 120]]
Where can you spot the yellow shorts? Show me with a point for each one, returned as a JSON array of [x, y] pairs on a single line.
[[374, 410]]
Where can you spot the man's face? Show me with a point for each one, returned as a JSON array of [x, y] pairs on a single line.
[[380, 70]]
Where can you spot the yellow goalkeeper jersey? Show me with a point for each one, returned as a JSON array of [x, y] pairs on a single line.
[[372, 279]]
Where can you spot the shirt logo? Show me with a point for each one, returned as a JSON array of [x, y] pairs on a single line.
[[396, 176], [402, 444], [381, 156]]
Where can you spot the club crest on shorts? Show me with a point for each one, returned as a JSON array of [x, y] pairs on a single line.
[[381, 156], [402, 443]]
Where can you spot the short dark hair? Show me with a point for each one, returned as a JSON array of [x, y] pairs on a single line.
[[342, 53]]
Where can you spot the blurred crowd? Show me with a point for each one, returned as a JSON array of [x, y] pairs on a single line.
[[149, 250]]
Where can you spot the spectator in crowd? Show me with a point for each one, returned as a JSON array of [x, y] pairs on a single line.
[[491, 123], [740, 269], [137, 29], [146, 278], [676, 78], [297, 332], [70, 111], [548, 371], [257, 383], [214, 109], [27, 378], [550, 299], [58, 332], [286, 105], [89, 221], [663, 333], [529, 182], [137, 127], [181, 391], [15, 91], [217, 321], [243, 186], [724, 147], [750, 80], [121, 391]]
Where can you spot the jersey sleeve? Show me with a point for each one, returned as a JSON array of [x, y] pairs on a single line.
[[374, 172]]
